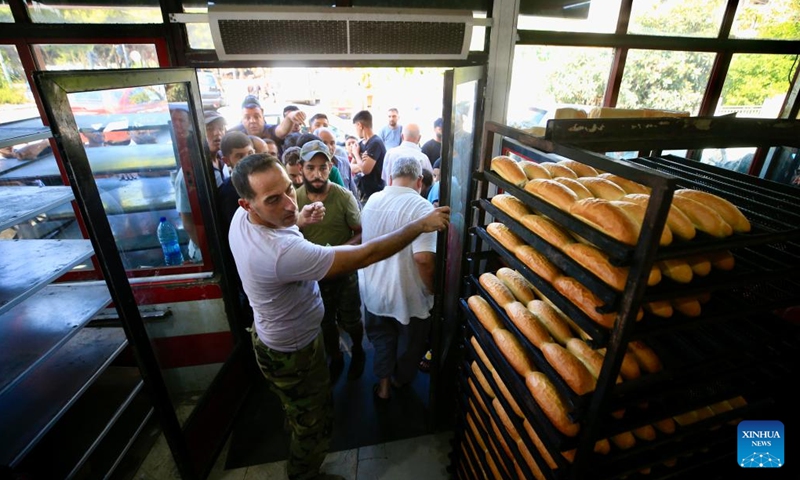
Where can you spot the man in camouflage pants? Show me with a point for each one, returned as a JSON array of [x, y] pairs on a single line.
[[279, 271]]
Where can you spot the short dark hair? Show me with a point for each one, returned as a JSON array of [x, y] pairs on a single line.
[[291, 140], [438, 123], [290, 108], [291, 156], [305, 138], [364, 118], [234, 139], [256, 163], [315, 117], [270, 141], [427, 178]]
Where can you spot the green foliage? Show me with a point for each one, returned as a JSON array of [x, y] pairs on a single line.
[[12, 95]]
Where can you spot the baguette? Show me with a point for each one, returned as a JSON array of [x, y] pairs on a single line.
[[481, 354], [629, 370], [721, 407], [655, 276], [552, 192], [537, 442], [548, 230], [576, 186], [569, 113], [509, 170], [551, 320], [703, 217], [569, 368], [590, 358], [636, 212], [580, 169], [728, 211], [497, 289], [645, 432], [526, 455], [584, 299], [548, 399], [527, 323], [513, 352], [602, 446], [666, 425], [676, 269], [629, 186], [476, 395], [700, 264], [498, 435], [602, 188], [506, 394], [677, 221], [485, 313], [476, 370], [660, 308], [688, 306], [556, 170], [597, 262], [538, 263], [722, 260], [505, 420], [515, 282], [645, 356], [511, 205], [533, 170], [624, 440], [606, 217], [508, 239]]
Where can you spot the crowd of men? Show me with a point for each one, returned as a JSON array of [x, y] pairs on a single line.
[[313, 230]]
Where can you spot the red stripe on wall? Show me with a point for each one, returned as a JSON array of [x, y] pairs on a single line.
[[193, 350]]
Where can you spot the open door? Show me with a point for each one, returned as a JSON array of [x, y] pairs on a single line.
[[461, 133]]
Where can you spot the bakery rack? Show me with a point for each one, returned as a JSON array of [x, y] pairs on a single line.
[[735, 347]]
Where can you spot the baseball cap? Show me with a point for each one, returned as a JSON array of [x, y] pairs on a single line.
[[251, 101], [210, 116], [312, 148]]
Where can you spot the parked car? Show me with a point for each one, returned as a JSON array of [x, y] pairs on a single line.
[[211, 93], [116, 113]]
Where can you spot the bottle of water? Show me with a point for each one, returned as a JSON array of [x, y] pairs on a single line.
[[168, 238]]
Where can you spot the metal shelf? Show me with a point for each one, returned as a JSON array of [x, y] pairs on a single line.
[[24, 203], [24, 131], [27, 266], [33, 330]]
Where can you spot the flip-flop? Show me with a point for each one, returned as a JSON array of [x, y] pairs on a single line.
[[378, 399]]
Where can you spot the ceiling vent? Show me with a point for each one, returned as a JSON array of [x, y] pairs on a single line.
[[344, 33]]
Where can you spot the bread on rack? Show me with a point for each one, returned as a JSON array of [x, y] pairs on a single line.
[[485, 313], [576, 186], [728, 211], [556, 170], [569, 113], [628, 185], [515, 282], [590, 358], [636, 213], [507, 394], [629, 369], [509, 170], [508, 239], [602, 188], [677, 221], [551, 320], [481, 354], [624, 440], [551, 403], [552, 192], [527, 323], [538, 263], [659, 308], [606, 217], [722, 260], [574, 373], [700, 264], [548, 230], [689, 306], [580, 169], [496, 289], [703, 217], [666, 425], [645, 356], [584, 299], [476, 371], [533, 170], [513, 352], [645, 432], [510, 205], [676, 269], [597, 262]]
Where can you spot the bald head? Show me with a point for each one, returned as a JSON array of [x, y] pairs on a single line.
[[411, 133]]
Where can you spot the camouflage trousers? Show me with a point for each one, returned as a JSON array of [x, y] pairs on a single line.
[[301, 381], [342, 302]]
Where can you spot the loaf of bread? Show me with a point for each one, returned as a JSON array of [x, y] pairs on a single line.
[[481, 354], [576, 186], [676, 269], [551, 403], [703, 217], [687, 418], [510, 205], [728, 211], [584, 299], [552, 192], [721, 407], [569, 113], [629, 369], [645, 432], [551, 320], [508, 239], [537, 442], [629, 186], [590, 358], [688, 306], [556, 170], [509, 170], [538, 263], [666, 425], [497, 289], [609, 219], [513, 352], [624, 440], [476, 395], [660, 308], [505, 420], [515, 282], [574, 373], [613, 112], [677, 221], [476, 371], [529, 460], [597, 262], [534, 170], [636, 213], [506, 394], [580, 169], [485, 313], [499, 438], [645, 356], [602, 188], [723, 260], [700, 264], [548, 230], [527, 323]]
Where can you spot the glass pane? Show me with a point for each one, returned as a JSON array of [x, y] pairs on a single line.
[[665, 80], [66, 11], [768, 19], [16, 99], [546, 78], [756, 85], [5, 12], [478, 40], [199, 36], [95, 56], [736, 159], [602, 18], [677, 18], [785, 166], [136, 145]]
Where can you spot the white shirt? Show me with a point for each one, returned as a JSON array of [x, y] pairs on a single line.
[[405, 149], [393, 287]]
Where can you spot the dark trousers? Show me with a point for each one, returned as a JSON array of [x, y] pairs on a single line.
[[398, 347], [342, 302], [301, 380]]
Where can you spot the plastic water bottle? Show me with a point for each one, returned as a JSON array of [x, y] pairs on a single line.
[[168, 238]]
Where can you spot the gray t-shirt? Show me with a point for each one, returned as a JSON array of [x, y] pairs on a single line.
[[279, 270]]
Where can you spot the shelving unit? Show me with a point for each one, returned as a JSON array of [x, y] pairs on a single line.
[[736, 348]]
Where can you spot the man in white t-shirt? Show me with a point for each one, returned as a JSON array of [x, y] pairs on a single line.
[[409, 147], [396, 319], [279, 270]]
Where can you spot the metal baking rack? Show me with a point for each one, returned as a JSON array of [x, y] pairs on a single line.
[[483, 428]]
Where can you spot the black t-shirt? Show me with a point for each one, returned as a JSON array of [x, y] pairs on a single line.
[[432, 149], [373, 182]]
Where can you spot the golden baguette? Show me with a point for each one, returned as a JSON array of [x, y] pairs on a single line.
[[552, 192], [551, 403], [629, 186], [728, 211], [655, 276], [645, 356], [624, 440], [537, 442], [511, 205], [508, 239], [722, 260], [602, 446], [666, 425], [513, 352], [569, 113], [527, 323], [645, 432], [629, 369], [515, 282], [590, 358], [529, 460], [548, 230], [497, 289], [676, 269], [476, 370], [700, 264], [636, 212], [476, 395], [580, 169], [505, 420], [509, 170], [576, 186], [533, 170], [584, 299], [499, 438], [703, 217], [555, 170], [506, 394], [597, 262], [485, 313], [660, 308], [481, 354], [689, 306], [677, 221], [574, 373], [606, 217], [538, 263], [551, 320], [602, 188]]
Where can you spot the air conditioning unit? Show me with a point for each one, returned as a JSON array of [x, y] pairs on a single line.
[[343, 33]]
